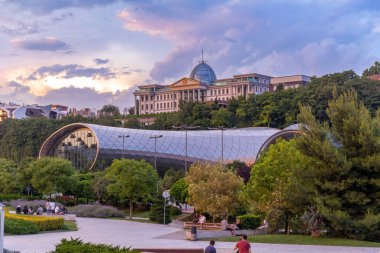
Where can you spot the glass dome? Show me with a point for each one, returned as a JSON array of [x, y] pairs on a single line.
[[204, 73]]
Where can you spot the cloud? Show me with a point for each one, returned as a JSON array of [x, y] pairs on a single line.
[[71, 71], [16, 27], [99, 61], [48, 6], [44, 44], [259, 35]]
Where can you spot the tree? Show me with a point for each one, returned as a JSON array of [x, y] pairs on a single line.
[[171, 176], [213, 189], [132, 123], [111, 109], [8, 174], [51, 175], [278, 183], [241, 169], [222, 117], [347, 169], [179, 191], [131, 179], [99, 185], [84, 184], [157, 211], [373, 70]]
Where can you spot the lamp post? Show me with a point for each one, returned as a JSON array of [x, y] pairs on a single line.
[[2, 227], [186, 127], [155, 137], [166, 195], [222, 129], [124, 137]]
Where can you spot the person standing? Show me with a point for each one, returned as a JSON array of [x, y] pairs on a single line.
[[243, 245], [202, 220], [52, 207], [211, 248], [47, 206]]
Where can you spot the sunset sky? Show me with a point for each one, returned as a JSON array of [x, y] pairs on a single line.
[[87, 53]]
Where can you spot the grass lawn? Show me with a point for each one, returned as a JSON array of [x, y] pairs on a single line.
[[303, 240]]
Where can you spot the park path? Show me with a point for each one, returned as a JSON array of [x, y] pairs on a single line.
[[147, 235]]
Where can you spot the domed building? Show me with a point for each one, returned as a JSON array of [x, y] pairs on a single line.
[[204, 73], [202, 86]]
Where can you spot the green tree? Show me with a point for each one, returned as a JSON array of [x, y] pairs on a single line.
[[278, 182], [373, 70], [222, 117], [347, 169], [111, 109], [8, 173], [179, 191], [241, 169], [51, 175], [213, 189], [171, 176], [131, 179], [83, 187], [99, 185], [157, 211]]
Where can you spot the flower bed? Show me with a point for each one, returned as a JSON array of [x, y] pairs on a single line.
[[44, 223]]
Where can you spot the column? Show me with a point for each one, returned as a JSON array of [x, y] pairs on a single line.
[[136, 105], [149, 101], [199, 95], [193, 94], [188, 95]]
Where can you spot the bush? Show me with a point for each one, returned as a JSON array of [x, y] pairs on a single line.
[[9, 197], [157, 212], [77, 245], [44, 223], [29, 203], [97, 211], [174, 210], [250, 221], [20, 227]]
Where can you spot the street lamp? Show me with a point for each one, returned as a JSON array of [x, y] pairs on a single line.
[[124, 137], [186, 127], [166, 195], [155, 137], [222, 129], [2, 227]]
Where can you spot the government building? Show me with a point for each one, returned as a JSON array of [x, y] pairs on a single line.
[[203, 86]]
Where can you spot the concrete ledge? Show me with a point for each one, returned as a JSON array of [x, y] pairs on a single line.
[[172, 250], [206, 234]]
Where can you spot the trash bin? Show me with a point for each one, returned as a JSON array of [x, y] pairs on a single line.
[[193, 233]]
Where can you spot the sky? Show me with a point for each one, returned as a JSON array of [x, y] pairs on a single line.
[[87, 53]]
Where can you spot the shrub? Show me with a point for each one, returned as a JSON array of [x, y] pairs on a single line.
[[174, 210], [29, 203], [97, 211], [157, 212], [20, 227], [250, 221], [77, 245], [44, 223], [9, 197]]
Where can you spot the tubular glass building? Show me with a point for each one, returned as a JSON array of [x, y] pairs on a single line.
[[90, 146]]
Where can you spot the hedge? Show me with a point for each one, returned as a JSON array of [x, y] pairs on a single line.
[[44, 223], [97, 211], [77, 245], [20, 227], [250, 221]]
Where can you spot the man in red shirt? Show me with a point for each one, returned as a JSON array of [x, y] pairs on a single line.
[[243, 245]]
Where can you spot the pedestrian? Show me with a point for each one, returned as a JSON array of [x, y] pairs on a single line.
[[202, 220], [243, 246], [47, 207], [40, 210], [210, 248]]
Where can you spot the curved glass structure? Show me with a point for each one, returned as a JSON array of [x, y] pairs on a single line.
[[90, 146], [204, 73]]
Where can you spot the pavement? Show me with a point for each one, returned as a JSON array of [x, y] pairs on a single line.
[[147, 235]]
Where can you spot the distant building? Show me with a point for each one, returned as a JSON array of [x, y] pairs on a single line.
[[13, 111], [374, 77], [288, 82], [203, 86], [85, 112]]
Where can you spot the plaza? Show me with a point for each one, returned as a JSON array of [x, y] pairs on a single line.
[[147, 235]]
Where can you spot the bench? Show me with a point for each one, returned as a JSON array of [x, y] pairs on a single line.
[[173, 250], [206, 226]]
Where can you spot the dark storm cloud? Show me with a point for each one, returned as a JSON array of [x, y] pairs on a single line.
[[99, 61], [71, 71], [44, 44]]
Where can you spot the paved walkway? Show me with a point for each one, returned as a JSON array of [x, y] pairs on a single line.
[[136, 234]]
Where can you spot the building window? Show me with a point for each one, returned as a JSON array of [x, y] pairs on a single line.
[[160, 105], [227, 91], [175, 104], [142, 107], [151, 106], [175, 96], [142, 98], [157, 106]]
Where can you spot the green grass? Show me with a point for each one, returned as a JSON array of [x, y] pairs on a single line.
[[70, 226], [303, 240]]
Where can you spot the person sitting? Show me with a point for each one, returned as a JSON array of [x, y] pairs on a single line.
[[195, 218], [202, 220], [63, 211], [25, 210], [224, 225], [30, 210], [56, 210], [18, 209], [238, 224], [40, 210]]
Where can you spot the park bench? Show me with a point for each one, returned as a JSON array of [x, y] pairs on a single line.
[[206, 226], [172, 250]]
